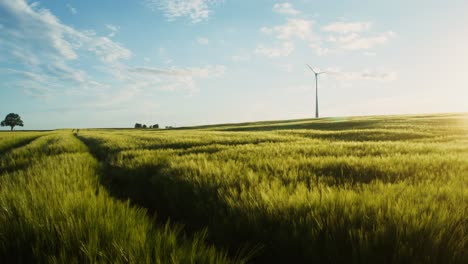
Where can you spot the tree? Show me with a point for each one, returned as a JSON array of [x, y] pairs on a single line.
[[12, 120], [155, 126], [138, 125], [144, 126]]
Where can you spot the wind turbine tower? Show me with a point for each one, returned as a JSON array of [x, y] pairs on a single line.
[[317, 73]]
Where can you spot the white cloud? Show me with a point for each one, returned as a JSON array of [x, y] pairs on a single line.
[[294, 28], [202, 41], [345, 28], [46, 83], [25, 56], [72, 9], [40, 29], [60, 63], [33, 84], [44, 46], [108, 50], [171, 79], [379, 76], [366, 74], [113, 30], [355, 36], [334, 38], [195, 10], [355, 41], [285, 8], [284, 50], [201, 72]]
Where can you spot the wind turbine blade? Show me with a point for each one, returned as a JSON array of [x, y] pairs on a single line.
[[311, 68]]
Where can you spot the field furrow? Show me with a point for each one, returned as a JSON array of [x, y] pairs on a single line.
[[10, 140], [53, 209], [304, 195]]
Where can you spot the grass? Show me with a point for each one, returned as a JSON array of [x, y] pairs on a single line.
[[52, 209], [386, 189]]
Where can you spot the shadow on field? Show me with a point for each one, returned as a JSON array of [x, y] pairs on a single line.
[[168, 197], [269, 238], [191, 146], [323, 125], [18, 145], [6, 166], [361, 136], [332, 230], [341, 123]]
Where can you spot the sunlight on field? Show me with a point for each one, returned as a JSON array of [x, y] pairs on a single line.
[[53, 210], [465, 122], [339, 119], [307, 190], [360, 190]]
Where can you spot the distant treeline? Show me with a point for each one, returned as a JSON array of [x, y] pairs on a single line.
[[138, 125]]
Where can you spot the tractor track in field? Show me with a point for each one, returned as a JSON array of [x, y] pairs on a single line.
[[19, 145]]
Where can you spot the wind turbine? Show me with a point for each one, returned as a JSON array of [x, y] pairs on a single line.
[[316, 90]]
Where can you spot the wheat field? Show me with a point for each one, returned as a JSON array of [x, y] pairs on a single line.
[[383, 189]]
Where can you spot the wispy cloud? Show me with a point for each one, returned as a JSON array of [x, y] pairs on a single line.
[[355, 41], [366, 74], [113, 30], [39, 27], [300, 29], [202, 72], [33, 84], [333, 38], [355, 36], [72, 9], [57, 68], [286, 9], [284, 50], [294, 28], [46, 84], [167, 79], [164, 56], [195, 10], [203, 41], [345, 28]]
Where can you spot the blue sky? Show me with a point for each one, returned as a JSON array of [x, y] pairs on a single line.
[[187, 62]]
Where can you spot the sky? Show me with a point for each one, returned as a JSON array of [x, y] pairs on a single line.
[[113, 63]]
